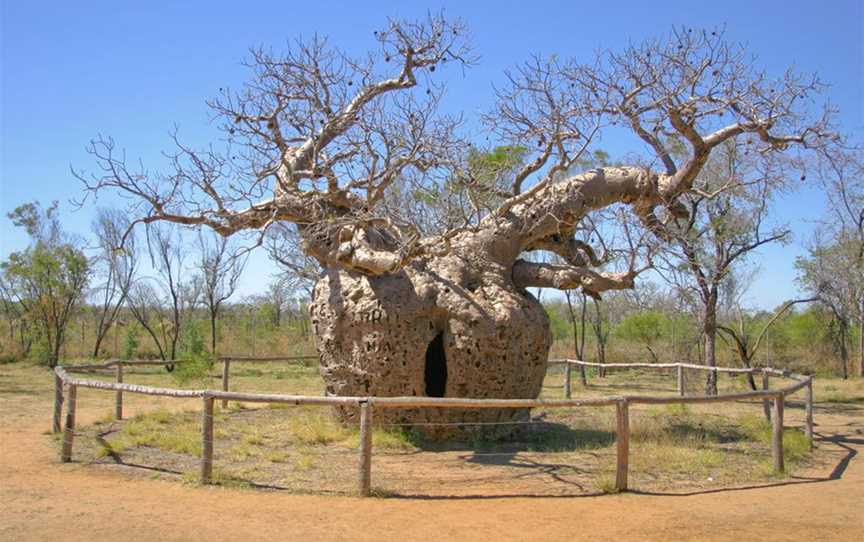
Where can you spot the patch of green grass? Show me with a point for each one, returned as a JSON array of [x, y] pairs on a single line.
[[178, 433], [383, 438], [277, 456], [315, 426], [242, 452], [255, 439], [796, 447], [561, 438], [676, 458], [605, 484], [305, 460], [161, 416], [391, 440]]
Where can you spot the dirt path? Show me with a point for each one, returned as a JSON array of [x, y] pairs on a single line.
[[40, 499]]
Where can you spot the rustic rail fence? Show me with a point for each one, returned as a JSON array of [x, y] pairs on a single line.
[[776, 398]]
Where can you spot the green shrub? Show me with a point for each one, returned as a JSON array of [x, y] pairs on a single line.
[[130, 341], [197, 363]]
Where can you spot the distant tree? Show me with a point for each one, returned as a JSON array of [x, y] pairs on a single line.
[[299, 269], [163, 304], [282, 295], [48, 279], [726, 222], [747, 335], [116, 266], [828, 272], [644, 327], [221, 268], [842, 175], [20, 333], [601, 327], [577, 326]]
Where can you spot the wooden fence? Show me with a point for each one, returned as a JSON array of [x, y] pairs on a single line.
[[367, 405]]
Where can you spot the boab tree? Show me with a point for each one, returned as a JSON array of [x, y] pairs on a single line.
[[332, 144]]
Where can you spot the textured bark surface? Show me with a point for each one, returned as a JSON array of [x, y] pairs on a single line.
[[373, 334], [373, 331]]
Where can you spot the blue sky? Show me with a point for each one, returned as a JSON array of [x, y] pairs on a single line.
[[71, 70]]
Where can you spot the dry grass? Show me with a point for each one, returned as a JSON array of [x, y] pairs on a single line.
[[571, 451], [305, 449]]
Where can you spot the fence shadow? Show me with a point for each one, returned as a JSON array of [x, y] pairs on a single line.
[[843, 441]]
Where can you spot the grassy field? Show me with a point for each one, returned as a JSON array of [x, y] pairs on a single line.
[[560, 452]]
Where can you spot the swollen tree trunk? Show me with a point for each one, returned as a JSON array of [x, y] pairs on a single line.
[[439, 328], [462, 324]]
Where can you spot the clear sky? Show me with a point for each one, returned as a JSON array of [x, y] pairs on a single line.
[[131, 70]]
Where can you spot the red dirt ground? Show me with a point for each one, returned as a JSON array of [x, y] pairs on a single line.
[[45, 500]]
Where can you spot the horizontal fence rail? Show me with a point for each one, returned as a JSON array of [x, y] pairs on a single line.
[[773, 399]]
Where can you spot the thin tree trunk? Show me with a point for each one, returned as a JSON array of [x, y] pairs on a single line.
[[861, 339], [709, 330], [213, 333], [844, 351], [582, 374], [99, 337]]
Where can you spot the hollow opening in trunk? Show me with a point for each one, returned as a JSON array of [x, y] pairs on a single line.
[[436, 367]]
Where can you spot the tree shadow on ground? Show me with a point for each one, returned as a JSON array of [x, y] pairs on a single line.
[[534, 436], [843, 441]]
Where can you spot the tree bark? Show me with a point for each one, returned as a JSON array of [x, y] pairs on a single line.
[[468, 311], [861, 339], [213, 317], [709, 332], [844, 350]]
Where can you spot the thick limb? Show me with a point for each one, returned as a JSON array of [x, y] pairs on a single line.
[[566, 277]]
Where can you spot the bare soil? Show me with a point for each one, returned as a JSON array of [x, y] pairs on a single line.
[[43, 499]]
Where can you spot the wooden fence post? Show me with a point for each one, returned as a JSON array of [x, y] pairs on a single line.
[[58, 404], [680, 380], [365, 463], [765, 406], [69, 430], [777, 433], [118, 399], [207, 441], [568, 371], [226, 369], [622, 440], [808, 412]]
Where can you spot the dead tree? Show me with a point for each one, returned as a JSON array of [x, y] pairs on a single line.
[[163, 303], [220, 271], [745, 343], [118, 271], [323, 140]]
